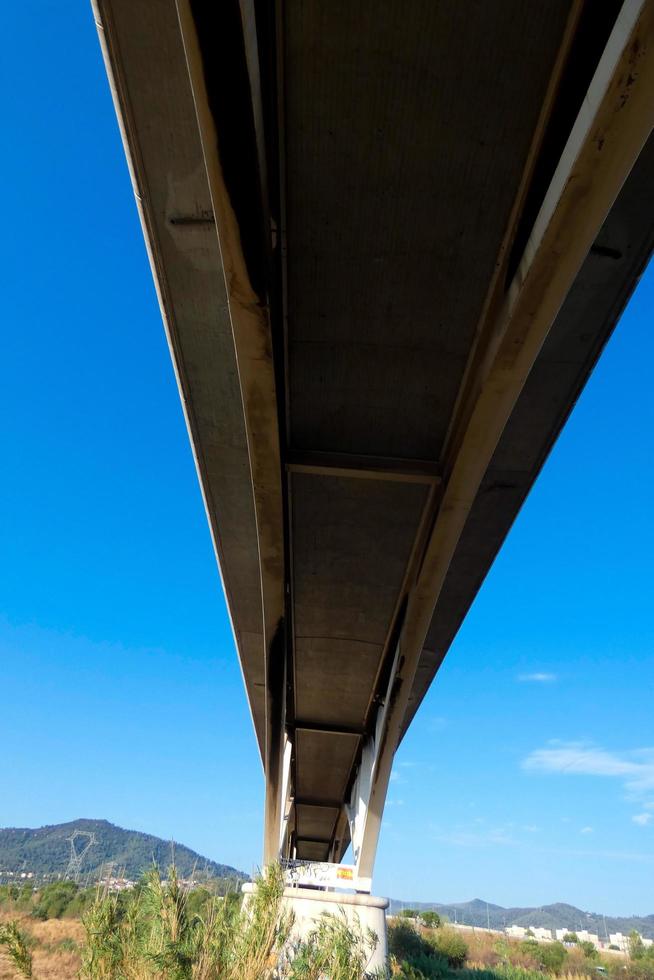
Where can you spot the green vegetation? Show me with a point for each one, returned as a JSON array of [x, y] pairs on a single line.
[[413, 954], [451, 945], [433, 954], [589, 950], [61, 898], [53, 901], [641, 957], [153, 934], [45, 851], [13, 942], [556, 916], [430, 919], [550, 956], [162, 930], [424, 954]]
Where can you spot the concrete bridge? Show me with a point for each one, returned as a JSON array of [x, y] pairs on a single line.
[[390, 240]]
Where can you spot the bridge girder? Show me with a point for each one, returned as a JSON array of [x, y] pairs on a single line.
[[230, 85]]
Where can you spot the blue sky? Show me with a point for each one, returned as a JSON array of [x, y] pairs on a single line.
[[528, 775]]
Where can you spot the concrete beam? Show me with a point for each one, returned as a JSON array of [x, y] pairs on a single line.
[[364, 467], [307, 726], [224, 143], [613, 124]]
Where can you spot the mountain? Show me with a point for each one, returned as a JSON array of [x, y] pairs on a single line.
[[557, 916], [46, 851]]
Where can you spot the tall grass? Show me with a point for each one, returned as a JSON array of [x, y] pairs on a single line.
[[14, 944], [334, 948], [156, 937]]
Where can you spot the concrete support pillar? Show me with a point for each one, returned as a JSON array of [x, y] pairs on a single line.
[[308, 904]]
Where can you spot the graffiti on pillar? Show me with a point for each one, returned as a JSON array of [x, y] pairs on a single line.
[[323, 874]]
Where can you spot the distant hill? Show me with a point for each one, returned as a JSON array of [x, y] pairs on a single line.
[[557, 916], [45, 851]]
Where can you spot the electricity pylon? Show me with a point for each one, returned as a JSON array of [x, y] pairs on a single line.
[[76, 857]]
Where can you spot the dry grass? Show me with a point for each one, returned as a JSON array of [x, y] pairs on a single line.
[[488, 950], [51, 961]]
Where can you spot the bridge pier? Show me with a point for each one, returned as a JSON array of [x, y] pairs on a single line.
[[308, 904]]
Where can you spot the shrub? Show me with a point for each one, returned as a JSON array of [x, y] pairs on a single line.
[[589, 950], [424, 967], [551, 956], [507, 971], [636, 945], [197, 901], [8, 893], [430, 919], [642, 969], [452, 946], [54, 900], [406, 943]]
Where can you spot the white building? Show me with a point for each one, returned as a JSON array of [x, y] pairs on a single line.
[[539, 933], [622, 942], [583, 935]]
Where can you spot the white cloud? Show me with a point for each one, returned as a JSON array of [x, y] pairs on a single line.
[[586, 830], [635, 769], [461, 837], [540, 677], [642, 819], [395, 803]]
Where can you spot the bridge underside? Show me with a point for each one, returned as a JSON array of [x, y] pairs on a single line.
[[390, 242]]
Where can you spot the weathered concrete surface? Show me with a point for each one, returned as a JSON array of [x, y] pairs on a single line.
[[363, 912], [374, 213]]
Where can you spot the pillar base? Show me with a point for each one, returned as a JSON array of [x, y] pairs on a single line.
[[308, 904]]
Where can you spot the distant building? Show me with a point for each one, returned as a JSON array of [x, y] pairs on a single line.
[[539, 933], [582, 935], [622, 942]]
